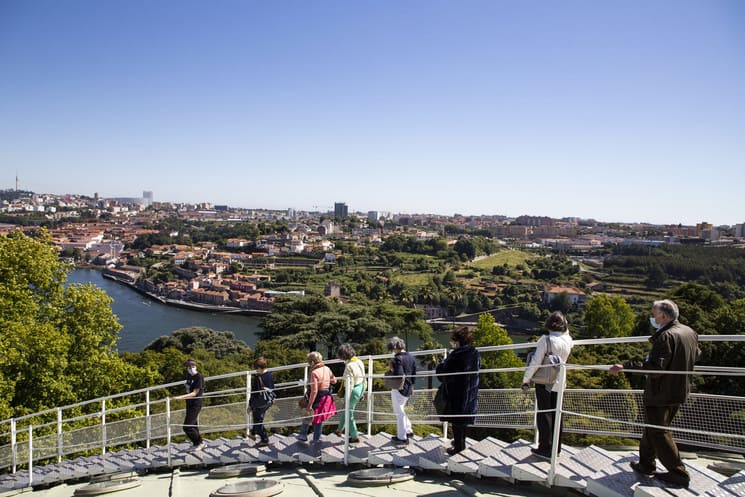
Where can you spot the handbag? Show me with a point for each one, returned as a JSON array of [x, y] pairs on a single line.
[[547, 374], [263, 398], [441, 399], [303, 402]]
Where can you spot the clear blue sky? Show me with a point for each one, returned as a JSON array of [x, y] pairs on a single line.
[[616, 110]]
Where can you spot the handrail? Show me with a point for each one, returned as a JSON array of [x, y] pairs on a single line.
[[32, 442]]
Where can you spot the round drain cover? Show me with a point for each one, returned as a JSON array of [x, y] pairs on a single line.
[[379, 476], [247, 469], [252, 488], [105, 487], [114, 476]]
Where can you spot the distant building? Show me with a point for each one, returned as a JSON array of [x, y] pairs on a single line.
[[147, 196], [372, 215], [341, 211], [332, 289], [576, 296], [740, 230]]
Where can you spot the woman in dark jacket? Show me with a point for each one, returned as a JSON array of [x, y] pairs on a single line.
[[462, 389]]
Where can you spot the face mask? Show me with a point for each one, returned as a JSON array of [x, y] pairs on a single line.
[[192, 371], [654, 323]]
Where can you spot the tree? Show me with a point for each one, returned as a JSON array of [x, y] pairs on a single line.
[[608, 316], [487, 333], [561, 302], [58, 343]]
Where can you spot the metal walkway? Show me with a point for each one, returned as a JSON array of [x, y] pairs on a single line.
[[590, 470]]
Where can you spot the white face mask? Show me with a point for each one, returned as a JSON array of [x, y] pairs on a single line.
[[192, 371], [654, 323]]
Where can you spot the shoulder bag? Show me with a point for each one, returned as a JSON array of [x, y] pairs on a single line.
[[548, 371]]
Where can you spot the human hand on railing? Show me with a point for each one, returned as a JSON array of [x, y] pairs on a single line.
[[615, 369], [525, 387]]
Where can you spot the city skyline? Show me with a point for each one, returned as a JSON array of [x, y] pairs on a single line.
[[616, 111]]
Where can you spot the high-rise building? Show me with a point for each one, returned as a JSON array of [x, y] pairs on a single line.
[[372, 215], [341, 211], [148, 197]]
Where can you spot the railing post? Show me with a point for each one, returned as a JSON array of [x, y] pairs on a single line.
[[557, 422], [369, 396], [13, 444], [249, 419], [148, 421], [444, 423], [59, 435], [168, 429], [30, 454], [103, 427], [347, 396]]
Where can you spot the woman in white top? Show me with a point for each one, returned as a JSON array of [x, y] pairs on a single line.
[[546, 397], [354, 369]]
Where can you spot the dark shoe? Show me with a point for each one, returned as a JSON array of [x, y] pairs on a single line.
[[541, 453], [637, 466], [338, 433], [453, 450], [354, 440], [398, 441], [263, 443], [674, 479], [410, 434]]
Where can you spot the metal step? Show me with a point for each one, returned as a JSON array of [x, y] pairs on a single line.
[[536, 469], [574, 472], [468, 461], [500, 464]]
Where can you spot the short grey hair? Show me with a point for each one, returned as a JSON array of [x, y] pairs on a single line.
[[315, 358], [396, 343], [667, 307], [345, 352]]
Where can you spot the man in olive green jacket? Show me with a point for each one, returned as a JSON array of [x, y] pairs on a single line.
[[674, 348]]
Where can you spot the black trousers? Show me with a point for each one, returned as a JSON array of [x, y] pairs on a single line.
[[658, 443], [545, 420], [191, 421], [459, 436], [258, 423]]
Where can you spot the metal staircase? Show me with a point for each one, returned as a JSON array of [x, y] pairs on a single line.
[[592, 470]]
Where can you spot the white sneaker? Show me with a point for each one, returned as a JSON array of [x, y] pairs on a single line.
[[199, 447]]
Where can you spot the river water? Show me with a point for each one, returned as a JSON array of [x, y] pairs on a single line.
[[144, 320]]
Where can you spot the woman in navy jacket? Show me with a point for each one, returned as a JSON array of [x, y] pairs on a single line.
[[462, 389]]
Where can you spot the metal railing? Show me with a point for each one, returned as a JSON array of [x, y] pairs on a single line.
[[145, 416]]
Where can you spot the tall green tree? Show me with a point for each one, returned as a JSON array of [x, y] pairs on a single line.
[[608, 316], [487, 333], [58, 343]]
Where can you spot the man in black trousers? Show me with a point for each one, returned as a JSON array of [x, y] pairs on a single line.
[[674, 348], [194, 390]]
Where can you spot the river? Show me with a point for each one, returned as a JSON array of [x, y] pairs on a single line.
[[143, 320]]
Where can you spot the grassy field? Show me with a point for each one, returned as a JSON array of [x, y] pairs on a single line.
[[413, 279], [510, 257]]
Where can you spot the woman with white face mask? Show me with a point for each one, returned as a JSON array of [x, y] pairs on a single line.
[[194, 389]]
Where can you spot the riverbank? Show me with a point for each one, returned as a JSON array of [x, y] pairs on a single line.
[[182, 304]]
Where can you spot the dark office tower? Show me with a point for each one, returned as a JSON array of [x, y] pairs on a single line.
[[341, 211], [148, 198]]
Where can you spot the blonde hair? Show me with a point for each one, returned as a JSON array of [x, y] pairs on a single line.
[[315, 358]]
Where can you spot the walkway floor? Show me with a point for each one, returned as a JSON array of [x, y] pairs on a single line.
[[487, 467]]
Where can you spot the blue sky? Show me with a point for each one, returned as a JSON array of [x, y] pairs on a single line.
[[615, 110]]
